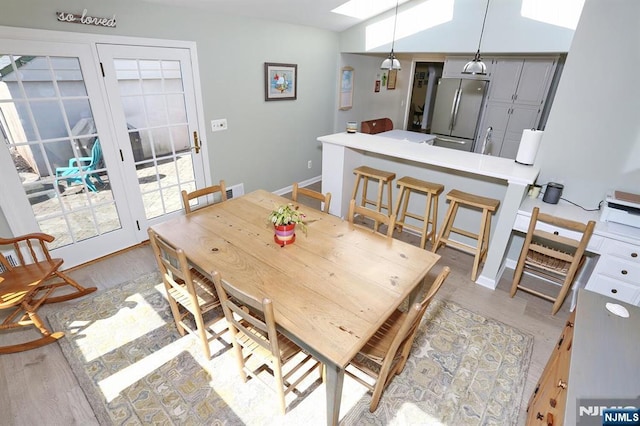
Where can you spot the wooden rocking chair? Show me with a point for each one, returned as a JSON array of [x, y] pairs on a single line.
[[28, 283]]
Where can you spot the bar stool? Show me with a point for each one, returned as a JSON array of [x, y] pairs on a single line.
[[383, 178], [488, 206], [408, 185]]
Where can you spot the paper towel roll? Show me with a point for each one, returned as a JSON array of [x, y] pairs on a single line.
[[529, 144]]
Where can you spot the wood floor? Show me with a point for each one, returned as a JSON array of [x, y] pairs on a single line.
[[38, 387]]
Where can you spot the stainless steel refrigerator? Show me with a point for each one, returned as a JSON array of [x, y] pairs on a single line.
[[457, 111]]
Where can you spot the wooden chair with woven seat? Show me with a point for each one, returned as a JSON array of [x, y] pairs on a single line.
[[365, 174], [212, 191], [300, 192], [257, 344], [377, 218], [387, 351], [488, 206], [555, 256], [191, 295], [30, 282]]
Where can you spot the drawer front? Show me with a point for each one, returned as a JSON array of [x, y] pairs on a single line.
[[522, 224], [608, 286], [626, 251], [619, 269]]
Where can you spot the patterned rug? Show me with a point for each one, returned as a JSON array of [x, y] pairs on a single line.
[[135, 368]]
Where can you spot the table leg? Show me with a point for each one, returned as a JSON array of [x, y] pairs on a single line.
[[334, 380]]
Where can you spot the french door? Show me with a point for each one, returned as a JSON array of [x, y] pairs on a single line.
[[94, 160]]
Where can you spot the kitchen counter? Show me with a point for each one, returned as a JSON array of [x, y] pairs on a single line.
[[467, 171]]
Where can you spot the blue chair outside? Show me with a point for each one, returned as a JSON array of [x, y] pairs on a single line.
[[84, 165]]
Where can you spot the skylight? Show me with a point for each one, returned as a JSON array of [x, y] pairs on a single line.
[[365, 9]]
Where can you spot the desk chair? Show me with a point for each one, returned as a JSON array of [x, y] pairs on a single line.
[[26, 284], [389, 348], [325, 199], [377, 218], [555, 256], [202, 192], [191, 295], [255, 338]]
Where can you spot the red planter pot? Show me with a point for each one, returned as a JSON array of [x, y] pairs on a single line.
[[285, 234]]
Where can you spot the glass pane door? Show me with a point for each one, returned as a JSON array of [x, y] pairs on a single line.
[[47, 122], [152, 93]]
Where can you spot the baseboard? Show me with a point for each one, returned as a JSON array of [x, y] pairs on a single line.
[[289, 188]]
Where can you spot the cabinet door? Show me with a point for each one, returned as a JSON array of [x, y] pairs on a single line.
[[496, 116], [521, 117], [504, 79], [534, 81]]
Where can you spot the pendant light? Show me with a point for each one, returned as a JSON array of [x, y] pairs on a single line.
[[391, 63], [476, 66]]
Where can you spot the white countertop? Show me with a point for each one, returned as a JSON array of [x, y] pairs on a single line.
[[406, 135], [485, 165]]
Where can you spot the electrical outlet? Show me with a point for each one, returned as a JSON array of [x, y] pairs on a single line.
[[218, 125], [309, 164]]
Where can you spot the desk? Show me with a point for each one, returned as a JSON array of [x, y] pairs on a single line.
[[331, 289], [617, 271]]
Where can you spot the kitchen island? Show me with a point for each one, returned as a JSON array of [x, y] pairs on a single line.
[[483, 175]]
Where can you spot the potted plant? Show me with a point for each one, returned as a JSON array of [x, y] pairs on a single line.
[[284, 219]]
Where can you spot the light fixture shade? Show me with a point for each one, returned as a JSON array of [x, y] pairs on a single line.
[[475, 66], [391, 63]]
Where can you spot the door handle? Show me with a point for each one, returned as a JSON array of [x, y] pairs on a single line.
[[455, 113], [196, 143], [453, 110]]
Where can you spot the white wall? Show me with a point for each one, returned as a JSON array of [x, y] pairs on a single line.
[[454, 26], [592, 139], [268, 144]]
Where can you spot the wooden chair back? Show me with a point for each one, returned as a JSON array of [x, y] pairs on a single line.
[[213, 191], [187, 287], [325, 199], [378, 125], [376, 216], [27, 280], [390, 346], [556, 256], [252, 325]]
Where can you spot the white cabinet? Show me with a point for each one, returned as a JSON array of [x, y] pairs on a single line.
[[617, 273], [516, 98]]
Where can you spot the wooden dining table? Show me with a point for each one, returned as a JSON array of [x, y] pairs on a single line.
[[331, 289]]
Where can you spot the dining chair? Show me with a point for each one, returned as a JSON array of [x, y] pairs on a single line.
[[376, 216], [28, 279], [219, 192], [257, 343], [325, 199], [387, 351], [555, 256], [191, 295]]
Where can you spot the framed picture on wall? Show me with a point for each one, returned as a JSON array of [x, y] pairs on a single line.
[[391, 81], [280, 81], [346, 88]]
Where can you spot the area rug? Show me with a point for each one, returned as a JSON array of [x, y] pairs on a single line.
[[135, 368]]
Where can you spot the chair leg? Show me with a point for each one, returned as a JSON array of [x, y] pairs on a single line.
[[277, 373], [425, 222], [482, 240], [566, 285], [67, 280], [445, 230]]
